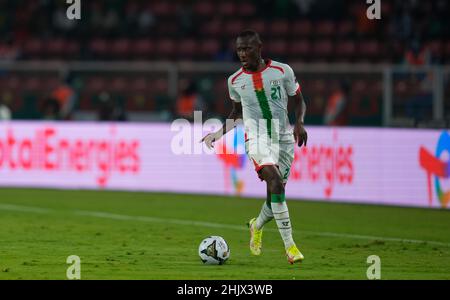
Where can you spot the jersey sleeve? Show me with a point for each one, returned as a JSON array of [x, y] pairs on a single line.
[[232, 92], [290, 82]]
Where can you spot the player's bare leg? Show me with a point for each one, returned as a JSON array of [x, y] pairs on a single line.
[[272, 176]]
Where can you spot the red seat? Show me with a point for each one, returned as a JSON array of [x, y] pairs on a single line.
[[143, 48], [99, 47], [345, 28], [359, 86], [316, 90], [160, 86], [32, 84], [118, 85], [120, 48], [72, 49], [55, 48], [447, 49], [345, 49], [165, 48], [139, 85], [209, 47], [369, 49], [300, 48], [167, 28], [436, 48], [187, 48], [246, 9], [226, 8], [162, 8], [322, 48], [324, 28], [258, 26], [233, 27], [212, 28], [279, 28], [13, 82], [50, 83], [301, 28], [33, 47], [277, 48], [204, 8], [95, 84]]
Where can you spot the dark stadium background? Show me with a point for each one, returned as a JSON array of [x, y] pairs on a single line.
[[192, 43], [130, 67]]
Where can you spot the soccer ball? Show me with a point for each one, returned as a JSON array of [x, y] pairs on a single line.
[[213, 250]]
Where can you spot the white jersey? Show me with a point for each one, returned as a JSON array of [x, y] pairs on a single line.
[[264, 96]]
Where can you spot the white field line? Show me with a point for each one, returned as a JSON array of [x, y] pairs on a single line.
[[111, 216], [20, 208]]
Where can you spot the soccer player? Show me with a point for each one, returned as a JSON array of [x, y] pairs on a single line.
[[260, 90]]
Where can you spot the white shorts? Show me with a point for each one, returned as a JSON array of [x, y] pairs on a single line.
[[280, 155]]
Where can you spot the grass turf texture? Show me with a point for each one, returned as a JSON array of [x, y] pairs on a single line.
[[36, 243]]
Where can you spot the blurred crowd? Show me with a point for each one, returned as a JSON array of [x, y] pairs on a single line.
[[298, 30], [411, 32]]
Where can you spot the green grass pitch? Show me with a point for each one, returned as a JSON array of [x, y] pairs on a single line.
[[123, 235]]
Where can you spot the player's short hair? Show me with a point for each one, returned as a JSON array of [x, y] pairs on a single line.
[[248, 33]]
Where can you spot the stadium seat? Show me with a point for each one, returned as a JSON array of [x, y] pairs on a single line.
[[187, 48], [300, 49], [246, 9], [359, 89], [345, 28], [301, 28], [50, 83], [447, 50], [369, 49], [139, 84], [13, 82], [160, 85], [212, 28], [143, 49], [118, 85], [71, 49], [259, 26], [162, 8], [322, 49], [279, 28], [209, 48], [345, 49], [436, 48], [324, 28], [120, 49], [277, 48], [317, 94], [204, 8], [166, 28], [226, 8], [54, 48], [98, 47], [233, 27], [32, 84], [95, 84], [165, 48], [33, 48]]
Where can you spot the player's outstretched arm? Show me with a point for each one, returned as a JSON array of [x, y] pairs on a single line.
[[230, 123], [300, 134]]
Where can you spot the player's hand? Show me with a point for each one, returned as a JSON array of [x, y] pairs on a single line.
[[300, 134], [209, 139]]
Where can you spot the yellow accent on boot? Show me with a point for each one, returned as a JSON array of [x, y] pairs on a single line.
[[294, 255], [255, 237]]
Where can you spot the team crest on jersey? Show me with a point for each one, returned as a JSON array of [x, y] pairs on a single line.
[[243, 87], [275, 82]]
